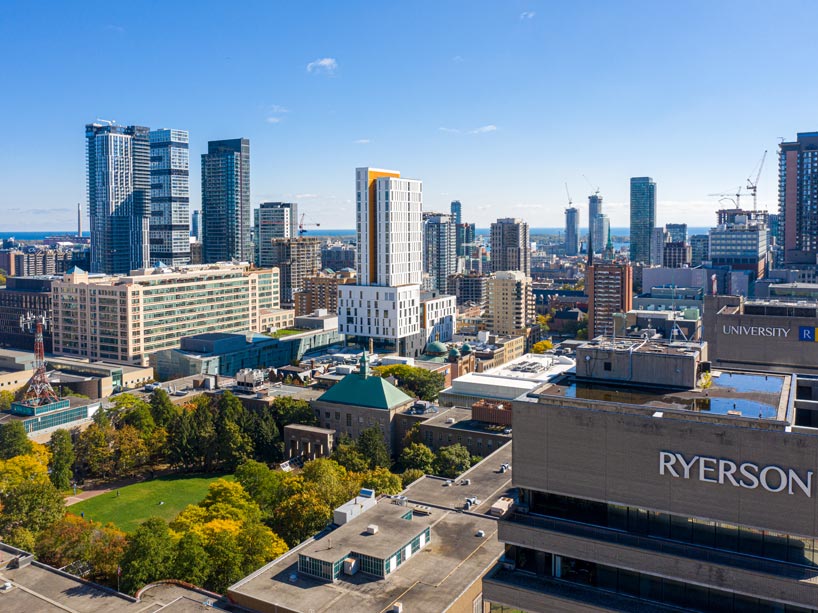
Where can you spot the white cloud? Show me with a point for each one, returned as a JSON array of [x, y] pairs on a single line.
[[362, 141], [484, 129], [326, 65], [306, 196], [527, 15], [273, 119], [277, 108], [449, 130]]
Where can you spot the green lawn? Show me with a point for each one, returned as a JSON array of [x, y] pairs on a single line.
[[285, 332], [140, 501]]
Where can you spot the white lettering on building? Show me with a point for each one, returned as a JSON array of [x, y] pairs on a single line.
[[755, 331], [746, 474]]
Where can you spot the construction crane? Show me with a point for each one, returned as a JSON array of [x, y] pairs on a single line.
[[735, 198], [302, 225], [752, 184], [570, 202], [596, 189]]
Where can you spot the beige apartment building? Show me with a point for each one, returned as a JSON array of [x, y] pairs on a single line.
[[321, 291], [510, 303], [125, 319]]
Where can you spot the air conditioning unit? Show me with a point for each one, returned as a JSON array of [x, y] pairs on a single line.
[[397, 608], [372, 529]]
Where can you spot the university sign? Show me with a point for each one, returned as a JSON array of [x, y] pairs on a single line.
[[757, 331], [738, 474]]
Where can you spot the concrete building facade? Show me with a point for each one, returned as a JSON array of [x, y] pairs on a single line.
[[273, 220], [510, 246], [124, 319], [610, 291], [510, 308], [296, 259]]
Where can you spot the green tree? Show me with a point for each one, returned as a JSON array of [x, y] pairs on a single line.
[[13, 440], [418, 456], [300, 517], [372, 447], [410, 475], [234, 446], [452, 460], [62, 459], [266, 438], [331, 481], [191, 562], [6, 398], [162, 409], [95, 450], [259, 545], [34, 505], [542, 347], [149, 556], [226, 560], [227, 494], [413, 435], [383, 481], [292, 411], [267, 487], [417, 382], [203, 434], [130, 451], [582, 334], [348, 456], [139, 417]]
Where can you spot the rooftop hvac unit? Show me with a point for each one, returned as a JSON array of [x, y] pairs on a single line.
[[351, 566], [397, 607], [372, 529]]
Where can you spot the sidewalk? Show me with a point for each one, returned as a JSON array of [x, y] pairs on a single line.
[[98, 490]]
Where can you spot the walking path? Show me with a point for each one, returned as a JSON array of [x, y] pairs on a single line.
[[103, 488]]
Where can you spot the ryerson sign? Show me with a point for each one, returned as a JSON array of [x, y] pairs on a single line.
[[745, 474]]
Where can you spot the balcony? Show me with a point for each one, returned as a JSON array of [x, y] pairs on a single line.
[[724, 570]]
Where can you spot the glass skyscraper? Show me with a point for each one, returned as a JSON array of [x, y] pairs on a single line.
[[119, 196], [226, 201], [170, 197], [273, 220], [456, 212], [643, 218], [571, 231]]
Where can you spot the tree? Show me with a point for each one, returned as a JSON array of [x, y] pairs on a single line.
[[582, 334], [6, 398], [233, 446], [452, 460], [259, 545], [542, 347], [129, 451], [139, 417], [223, 494], [34, 505], [413, 435], [372, 447], [62, 459], [291, 411], [94, 451], [300, 517], [149, 556], [383, 481], [267, 487], [331, 481], [417, 382], [266, 438], [348, 456], [225, 560], [13, 440], [191, 562], [162, 409], [418, 456], [410, 475]]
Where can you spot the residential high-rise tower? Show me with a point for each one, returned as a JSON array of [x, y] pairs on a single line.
[[439, 250], [119, 196], [643, 218], [170, 197], [595, 231], [226, 201], [798, 199], [273, 220], [456, 212], [385, 304], [571, 231], [510, 246]]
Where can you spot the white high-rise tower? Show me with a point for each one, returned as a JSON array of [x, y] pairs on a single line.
[[385, 306]]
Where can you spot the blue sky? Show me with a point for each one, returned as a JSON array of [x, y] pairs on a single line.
[[497, 104]]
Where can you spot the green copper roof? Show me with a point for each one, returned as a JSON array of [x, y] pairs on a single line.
[[365, 391], [436, 348]]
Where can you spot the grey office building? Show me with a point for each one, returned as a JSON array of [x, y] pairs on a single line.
[[466, 235], [597, 235], [273, 220], [119, 196], [439, 250], [649, 482], [170, 198], [643, 218], [196, 225], [510, 246], [226, 201], [572, 231], [677, 232]]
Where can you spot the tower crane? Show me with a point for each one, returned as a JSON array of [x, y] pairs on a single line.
[[596, 189], [735, 198], [302, 225], [570, 202], [752, 184]]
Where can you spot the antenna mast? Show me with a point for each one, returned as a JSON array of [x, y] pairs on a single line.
[[39, 390]]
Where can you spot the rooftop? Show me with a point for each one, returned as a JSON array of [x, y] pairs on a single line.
[[430, 580], [365, 390]]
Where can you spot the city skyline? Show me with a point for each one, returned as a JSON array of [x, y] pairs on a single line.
[[715, 109]]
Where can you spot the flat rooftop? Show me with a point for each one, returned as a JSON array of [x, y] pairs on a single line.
[[677, 348], [463, 421], [431, 580], [730, 394]]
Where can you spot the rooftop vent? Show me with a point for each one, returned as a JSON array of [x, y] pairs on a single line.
[[372, 529]]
